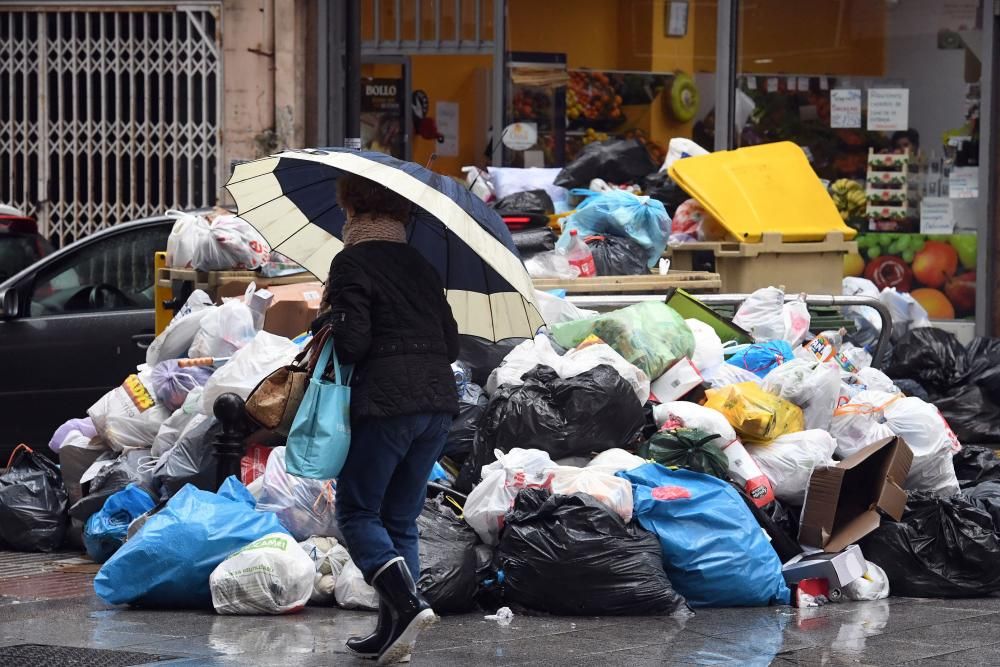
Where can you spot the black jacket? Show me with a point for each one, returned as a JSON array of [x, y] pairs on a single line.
[[391, 320]]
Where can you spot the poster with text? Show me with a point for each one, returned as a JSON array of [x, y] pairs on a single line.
[[382, 125], [939, 270]]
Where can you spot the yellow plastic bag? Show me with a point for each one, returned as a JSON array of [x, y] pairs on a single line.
[[758, 416]]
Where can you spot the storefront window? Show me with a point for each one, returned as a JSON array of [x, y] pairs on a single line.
[[884, 97], [580, 71]]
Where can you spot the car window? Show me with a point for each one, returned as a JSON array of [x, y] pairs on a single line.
[[17, 251], [114, 273]]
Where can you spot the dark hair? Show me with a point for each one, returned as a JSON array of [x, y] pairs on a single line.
[[368, 197], [910, 134]]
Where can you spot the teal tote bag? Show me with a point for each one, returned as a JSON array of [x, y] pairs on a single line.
[[321, 431]]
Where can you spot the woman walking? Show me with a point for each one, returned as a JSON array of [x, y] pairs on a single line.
[[390, 318]]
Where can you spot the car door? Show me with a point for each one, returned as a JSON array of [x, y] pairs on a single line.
[[87, 319]]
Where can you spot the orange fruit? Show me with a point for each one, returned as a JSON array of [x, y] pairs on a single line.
[[935, 302]]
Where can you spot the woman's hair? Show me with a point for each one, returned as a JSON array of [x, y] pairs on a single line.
[[367, 197]]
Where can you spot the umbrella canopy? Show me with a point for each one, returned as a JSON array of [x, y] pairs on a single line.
[[290, 198]]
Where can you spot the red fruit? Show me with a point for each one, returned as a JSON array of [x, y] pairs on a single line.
[[935, 264], [961, 291], [889, 271]]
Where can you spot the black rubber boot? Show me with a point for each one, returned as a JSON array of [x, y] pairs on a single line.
[[409, 612], [370, 646]]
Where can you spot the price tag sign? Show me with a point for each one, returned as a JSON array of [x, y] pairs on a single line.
[[936, 216]]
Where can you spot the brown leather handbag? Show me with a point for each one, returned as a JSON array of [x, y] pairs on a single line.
[[274, 401]]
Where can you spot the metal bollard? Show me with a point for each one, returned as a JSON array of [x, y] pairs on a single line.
[[230, 410]]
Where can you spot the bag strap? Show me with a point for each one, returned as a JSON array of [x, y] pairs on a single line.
[[327, 357], [18, 449]]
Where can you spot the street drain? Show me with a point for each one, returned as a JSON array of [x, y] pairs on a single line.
[[41, 655]]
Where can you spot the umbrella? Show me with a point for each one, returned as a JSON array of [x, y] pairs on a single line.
[[290, 199]]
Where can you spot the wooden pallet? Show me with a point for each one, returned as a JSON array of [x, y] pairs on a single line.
[[690, 281], [210, 281]]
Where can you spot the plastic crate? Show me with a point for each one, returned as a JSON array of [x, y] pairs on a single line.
[[813, 267]]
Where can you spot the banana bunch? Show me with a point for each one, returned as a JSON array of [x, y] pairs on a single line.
[[849, 198]]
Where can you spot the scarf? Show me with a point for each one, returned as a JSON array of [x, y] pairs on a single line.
[[362, 228]]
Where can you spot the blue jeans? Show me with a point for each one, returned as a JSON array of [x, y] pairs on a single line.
[[382, 487]]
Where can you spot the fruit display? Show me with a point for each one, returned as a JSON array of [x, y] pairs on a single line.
[[938, 270], [592, 135], [849, 198], [591, 101], [532, 104]]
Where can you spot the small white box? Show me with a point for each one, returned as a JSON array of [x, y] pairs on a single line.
[[681, 378], [839, 569]]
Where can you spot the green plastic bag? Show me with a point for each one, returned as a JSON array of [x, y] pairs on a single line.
[[650, 335], [689, 448]]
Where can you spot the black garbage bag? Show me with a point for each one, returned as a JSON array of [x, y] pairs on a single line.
[[777, 522], [32, 503], [591, 412], [462, 435], [448, 564], [124, 469], [942, 548], [983, 365], [530, 202], [689, 448], [533, 241], [482, 356], [912, 388], [617, 256], [973, 417], [659, 185], [986, 496], [975, 465], [617, 161], [932, 357], [571, 555], [191, 461]]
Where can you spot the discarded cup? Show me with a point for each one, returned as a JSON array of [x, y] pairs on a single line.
[[503, 617]]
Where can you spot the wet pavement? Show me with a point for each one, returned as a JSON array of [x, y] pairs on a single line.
[[890, 632]]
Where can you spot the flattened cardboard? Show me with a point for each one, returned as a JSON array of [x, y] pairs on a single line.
[[843, 501]]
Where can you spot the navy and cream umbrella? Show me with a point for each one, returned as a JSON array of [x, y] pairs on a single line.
[[290, 198]]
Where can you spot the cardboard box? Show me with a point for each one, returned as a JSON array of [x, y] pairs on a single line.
[[843, 501], [679, 379], [291, 309], [839, 569]]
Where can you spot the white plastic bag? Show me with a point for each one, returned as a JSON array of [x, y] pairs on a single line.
[[329, 559], [225, 329], [305, 507], [872, 585], [615, 460], [129, 415], [875, 379], [172, 428], [788, 461], [932, 441], [271, 575], [555, 310], [352, 592], [247, 367], [488, 502], [707, 345], [859, 423], [551, 264], [174, 341], [796, 318], [724, 375], [812, 386], [613, 492], [692, 415], [762, 314], [906, 312], [230, 244], [188, 232]]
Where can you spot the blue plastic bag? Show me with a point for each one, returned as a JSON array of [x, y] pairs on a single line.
[[105, 531], [168, 562], [620, 213], [761, 358], [438, 473], [714, 552]]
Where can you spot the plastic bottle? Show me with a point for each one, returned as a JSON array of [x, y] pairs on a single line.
[[579, 255]]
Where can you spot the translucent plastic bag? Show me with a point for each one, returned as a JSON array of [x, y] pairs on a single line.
[[489, 501], [614, 492], [724, 375], [932, 441], [247, 367], [305, 507], [329, 559], [551, 265], [271, 575], [649, 335], [225, 329], [615, 460], [174, 425], [762, 314], [618, 213], [174, 341], [761, 358], [172, 383], [231, 244], [906, 312], [555, 310], [756, 415], [872, 585], [814, 387], [860, 422], [691, 415], [708, 351], [129, 415], [788, 461], [187, 234], [352, 592]]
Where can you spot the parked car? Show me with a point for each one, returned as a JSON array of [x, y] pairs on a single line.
[[20, 243], [74, 325]]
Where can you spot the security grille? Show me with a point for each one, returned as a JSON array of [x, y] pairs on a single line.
[[108, 115], [409, 27]]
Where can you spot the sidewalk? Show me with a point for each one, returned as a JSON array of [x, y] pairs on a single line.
[[890, 632]]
